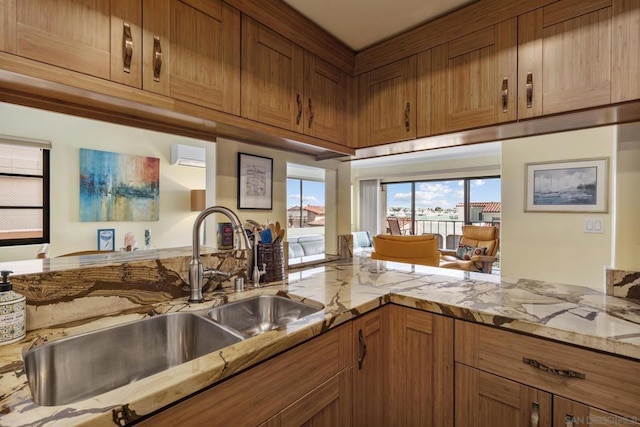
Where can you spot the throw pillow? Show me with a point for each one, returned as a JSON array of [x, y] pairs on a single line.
[[465, 252]]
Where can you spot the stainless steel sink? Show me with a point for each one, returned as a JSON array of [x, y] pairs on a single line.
[[255, 315], [83, 366]]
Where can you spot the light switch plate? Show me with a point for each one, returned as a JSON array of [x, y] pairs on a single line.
[[593, 225]]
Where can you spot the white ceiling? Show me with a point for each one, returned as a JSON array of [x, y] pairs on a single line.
[[362, 23], [431, 156]]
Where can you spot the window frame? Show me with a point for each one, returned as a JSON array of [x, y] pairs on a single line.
[[46, 205], [466, 197]]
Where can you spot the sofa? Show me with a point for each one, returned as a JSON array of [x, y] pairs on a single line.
[[301, 246]]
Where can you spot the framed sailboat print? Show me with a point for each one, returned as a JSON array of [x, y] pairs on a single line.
[[567, 186]]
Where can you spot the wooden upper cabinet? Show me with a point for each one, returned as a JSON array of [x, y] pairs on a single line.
[[487, 400], [564, 57], [387, 104], [199, 44], [474, 79], [327, 90], [625, 58], [272, 77], [101, 38]]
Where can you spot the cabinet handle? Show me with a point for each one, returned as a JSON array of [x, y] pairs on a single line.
[[560, 372], [568, 420], [157, 58], [299, 102], [127, 47], [406, 117], [363, 348], [311, 114], [529, 88], [535, 414], [505, 94]]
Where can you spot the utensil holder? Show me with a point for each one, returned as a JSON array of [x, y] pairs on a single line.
[[272, 255]]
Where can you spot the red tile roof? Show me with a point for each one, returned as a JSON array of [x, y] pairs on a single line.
[[488, 206]]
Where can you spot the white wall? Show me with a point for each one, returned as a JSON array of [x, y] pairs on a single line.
[[227, 185], [552, 246], [67, 135], [627, 200]]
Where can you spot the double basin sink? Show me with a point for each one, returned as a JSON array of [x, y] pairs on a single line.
[[83, 366]]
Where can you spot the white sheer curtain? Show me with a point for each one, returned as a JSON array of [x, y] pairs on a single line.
[[369, 206]]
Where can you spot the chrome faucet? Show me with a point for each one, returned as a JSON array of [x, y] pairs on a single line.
[[197, 272]]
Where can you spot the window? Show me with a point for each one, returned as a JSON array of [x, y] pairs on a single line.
[[24, 193], [441, 207], [305, 206]]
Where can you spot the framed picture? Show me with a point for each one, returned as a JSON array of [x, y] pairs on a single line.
[[567, 186], [106, 239], [255, 182]]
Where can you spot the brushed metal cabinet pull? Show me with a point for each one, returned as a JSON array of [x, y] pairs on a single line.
[[363, 348], [127, 47], [311, 113], [529, 89], [407, 125], [535, 414], [505, 94], [157, 58], [554, 371], [299, 103]]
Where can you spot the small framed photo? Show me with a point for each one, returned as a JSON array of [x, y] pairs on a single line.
[[255, 182], [567, 186], [106, 239]]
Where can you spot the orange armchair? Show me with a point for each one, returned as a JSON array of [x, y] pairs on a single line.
[[476, 251], [421, 249]]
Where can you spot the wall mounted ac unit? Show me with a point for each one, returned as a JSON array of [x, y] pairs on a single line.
[[187, 155]]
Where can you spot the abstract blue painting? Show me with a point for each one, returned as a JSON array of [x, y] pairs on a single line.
[[118, 187]]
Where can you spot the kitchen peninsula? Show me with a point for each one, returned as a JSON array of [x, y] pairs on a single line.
[[519, 315]]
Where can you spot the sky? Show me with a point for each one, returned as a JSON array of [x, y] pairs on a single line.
[[444, 194], [312, 193]]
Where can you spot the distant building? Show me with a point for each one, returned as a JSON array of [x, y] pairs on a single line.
[[308, 216], [488, 212]]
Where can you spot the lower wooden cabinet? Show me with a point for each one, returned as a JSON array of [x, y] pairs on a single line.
[[328, 405], [370, 368], [509, 379], [285, 385], [403, 368], [487, 400], [569, 413], [420, 368]]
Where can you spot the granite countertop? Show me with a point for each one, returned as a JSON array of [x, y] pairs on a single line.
[[570, 314]]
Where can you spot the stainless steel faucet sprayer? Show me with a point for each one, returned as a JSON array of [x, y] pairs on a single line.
[[197, 272]]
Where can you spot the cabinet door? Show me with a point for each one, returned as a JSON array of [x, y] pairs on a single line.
[[99, 37], [326, 93], [387, 104], [569, 413], [474, 79], [370, 369], [204, 64], [625, 78], [564, 57], [486, 400], [421, 368], [272, 77], [329, 405]]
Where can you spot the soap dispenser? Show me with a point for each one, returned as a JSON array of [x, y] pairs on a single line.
[[12, 312]]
